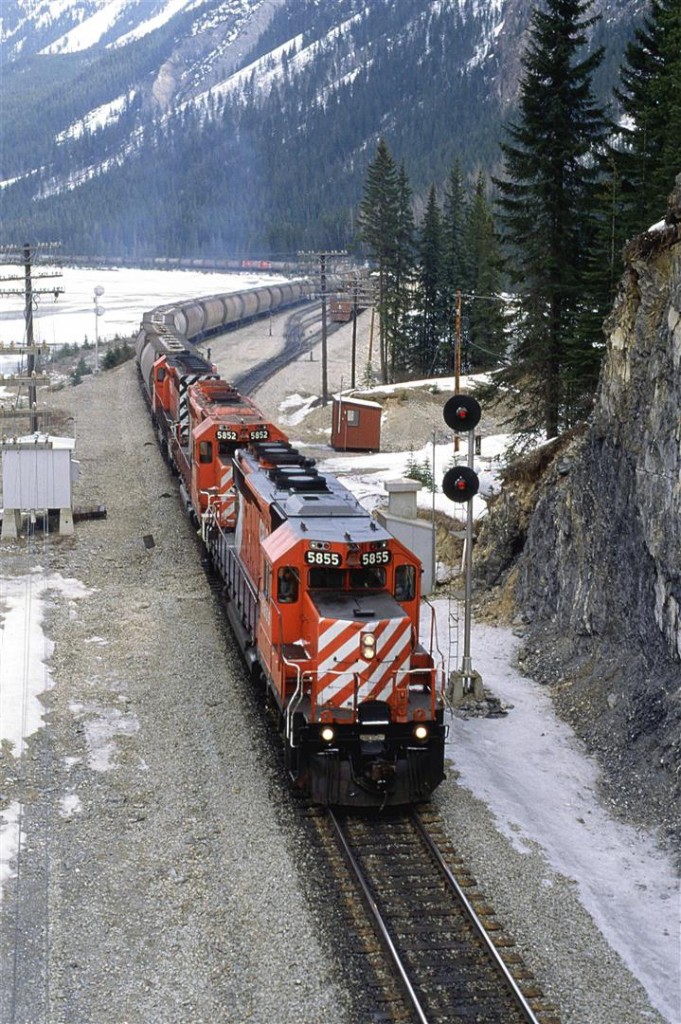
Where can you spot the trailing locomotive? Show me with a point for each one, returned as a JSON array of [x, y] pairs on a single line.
[[323, 602]]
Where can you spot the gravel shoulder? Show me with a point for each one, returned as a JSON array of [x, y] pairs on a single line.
[[159, 880]]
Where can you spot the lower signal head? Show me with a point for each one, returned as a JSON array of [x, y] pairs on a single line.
[[460, 483]]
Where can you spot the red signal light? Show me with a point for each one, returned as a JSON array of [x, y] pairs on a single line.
[[462, 412], [460, 483]]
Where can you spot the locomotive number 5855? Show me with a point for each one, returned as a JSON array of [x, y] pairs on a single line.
[[323, 558]]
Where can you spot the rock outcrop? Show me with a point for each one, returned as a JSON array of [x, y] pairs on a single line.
[[598, 577]]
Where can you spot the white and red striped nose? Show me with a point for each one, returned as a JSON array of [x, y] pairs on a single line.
[[355, 663]]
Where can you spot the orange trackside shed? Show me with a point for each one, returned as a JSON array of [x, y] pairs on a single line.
[[356, 425]]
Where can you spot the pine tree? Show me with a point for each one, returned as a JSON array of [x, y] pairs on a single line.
[[485, 317], [377, 221], [647, 153], [546, 203], [426, 355], [455, 272], [403, 270], [386, 225]]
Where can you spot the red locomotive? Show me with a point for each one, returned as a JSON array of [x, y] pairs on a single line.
[[324, 602]]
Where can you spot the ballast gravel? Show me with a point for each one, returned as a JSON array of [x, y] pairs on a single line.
[[160, 878]]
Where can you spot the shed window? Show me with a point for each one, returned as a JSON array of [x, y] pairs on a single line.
[[205, 452], [352, 417]]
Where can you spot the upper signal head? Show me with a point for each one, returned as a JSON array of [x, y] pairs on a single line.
[[462, 413]]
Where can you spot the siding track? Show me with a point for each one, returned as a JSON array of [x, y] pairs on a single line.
[[303, 332]]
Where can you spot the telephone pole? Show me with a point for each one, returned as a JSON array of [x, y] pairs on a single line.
[[322, 289], [29, 293], [323, 257]]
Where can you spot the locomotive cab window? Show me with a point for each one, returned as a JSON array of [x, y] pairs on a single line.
[[405, 583], [368, 578], [161, 374], [327, 579], [287, 585], [205, 452]]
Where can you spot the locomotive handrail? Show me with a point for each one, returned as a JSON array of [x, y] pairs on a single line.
[[297, 695], [434, 640]]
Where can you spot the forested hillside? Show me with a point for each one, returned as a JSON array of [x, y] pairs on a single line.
[[277, 162]]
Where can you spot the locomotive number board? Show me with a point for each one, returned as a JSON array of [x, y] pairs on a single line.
[[381, 557], [261, 434], [331, 558]]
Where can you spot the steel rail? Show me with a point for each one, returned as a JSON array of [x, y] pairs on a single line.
[[401, 970], [295, 343], [523, 1004]]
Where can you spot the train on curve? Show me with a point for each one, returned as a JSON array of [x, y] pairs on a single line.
[[324, 602]]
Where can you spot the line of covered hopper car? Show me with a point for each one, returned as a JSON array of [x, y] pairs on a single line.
[[324, 603]]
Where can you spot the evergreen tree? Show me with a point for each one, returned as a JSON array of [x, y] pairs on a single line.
[[426, 355], [403, 270], [547, 201], [386, 225], [455, 273], [485, 309], [647, 154]]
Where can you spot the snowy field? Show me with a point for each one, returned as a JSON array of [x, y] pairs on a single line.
[[70, 318], [528, 767]]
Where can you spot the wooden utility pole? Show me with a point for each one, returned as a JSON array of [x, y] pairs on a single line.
[[28, 318], [322, 282], [29, 294], [323, 256], [355, 294]]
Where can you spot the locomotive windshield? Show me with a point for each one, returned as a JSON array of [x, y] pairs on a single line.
[[368, 578], [327, 579]]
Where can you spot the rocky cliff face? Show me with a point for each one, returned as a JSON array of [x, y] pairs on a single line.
[[598, 577]]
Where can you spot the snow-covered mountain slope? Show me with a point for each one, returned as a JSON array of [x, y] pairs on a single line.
[[91, 86]]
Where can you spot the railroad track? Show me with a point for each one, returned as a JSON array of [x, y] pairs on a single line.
[[303, 332], [436, 952]]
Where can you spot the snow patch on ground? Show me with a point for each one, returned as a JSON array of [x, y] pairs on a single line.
[[542, 788], [25, 650], [11, 839], [101, 726], [295, 408]]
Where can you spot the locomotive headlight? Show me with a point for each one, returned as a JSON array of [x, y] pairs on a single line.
[[367, 646], [327, 734], [421, 732]]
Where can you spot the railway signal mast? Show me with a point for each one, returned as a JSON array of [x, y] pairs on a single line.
[[460, 484]]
